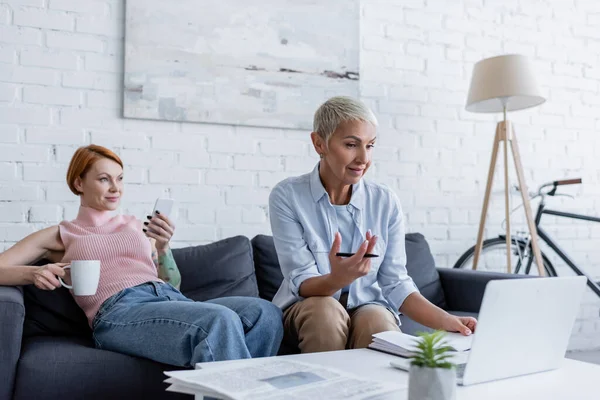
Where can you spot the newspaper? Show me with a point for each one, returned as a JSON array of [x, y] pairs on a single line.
[[272, 379]]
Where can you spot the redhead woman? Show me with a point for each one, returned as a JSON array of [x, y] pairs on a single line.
[[137, 308], [332, 301]]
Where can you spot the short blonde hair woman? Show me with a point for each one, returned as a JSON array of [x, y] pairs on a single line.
[[333, 302]]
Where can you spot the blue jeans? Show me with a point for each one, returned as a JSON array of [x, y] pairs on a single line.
[[154, 320]]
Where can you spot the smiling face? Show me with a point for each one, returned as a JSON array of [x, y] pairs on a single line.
[[347, 156], [101, 187]]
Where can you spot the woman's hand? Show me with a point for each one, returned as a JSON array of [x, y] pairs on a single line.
[[344, 271], [463, 325], [45, 277], [161, 229]]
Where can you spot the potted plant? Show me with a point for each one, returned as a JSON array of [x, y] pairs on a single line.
[[432, 376]]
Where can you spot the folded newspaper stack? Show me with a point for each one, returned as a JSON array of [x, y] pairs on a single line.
[[275, 378], [403, 345]]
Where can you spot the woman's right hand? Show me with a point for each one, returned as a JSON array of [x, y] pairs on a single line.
[[45, 277], [344, 271]]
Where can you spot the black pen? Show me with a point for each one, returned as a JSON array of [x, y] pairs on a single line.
[[368, 255]]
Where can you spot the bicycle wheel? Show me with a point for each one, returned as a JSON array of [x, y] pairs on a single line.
[[493, 258]]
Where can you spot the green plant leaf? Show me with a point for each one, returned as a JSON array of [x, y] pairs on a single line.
[[432, 351]]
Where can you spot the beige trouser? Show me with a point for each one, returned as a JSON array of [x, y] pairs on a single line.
[[323, 324]]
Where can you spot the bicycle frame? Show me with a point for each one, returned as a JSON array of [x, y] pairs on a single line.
[[561, 253]]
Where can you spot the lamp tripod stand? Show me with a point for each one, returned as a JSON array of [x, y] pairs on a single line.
[[499, 84], [505, 133]]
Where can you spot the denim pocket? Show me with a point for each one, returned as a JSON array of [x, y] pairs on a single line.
[[107, 305], [167, 291], [157, 289]]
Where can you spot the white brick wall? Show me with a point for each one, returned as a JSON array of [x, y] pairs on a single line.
[[422, 87], [47, 213], [37, 57], [73, 41], [82, 7], [41, 18], [51, 96], [60, 87]]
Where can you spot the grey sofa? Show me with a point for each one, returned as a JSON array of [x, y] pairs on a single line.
[[46, 349]]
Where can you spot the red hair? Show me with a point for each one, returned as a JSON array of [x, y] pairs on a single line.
[[82, 161]]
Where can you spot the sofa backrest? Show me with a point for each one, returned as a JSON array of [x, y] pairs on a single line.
[[419, 264], [220, 269], [266, 264]]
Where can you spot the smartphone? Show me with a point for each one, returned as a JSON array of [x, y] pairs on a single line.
[[164, 206]]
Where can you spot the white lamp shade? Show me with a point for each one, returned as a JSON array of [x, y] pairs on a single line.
[[501, 81]]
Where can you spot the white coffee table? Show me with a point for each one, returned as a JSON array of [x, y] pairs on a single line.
[[574, 380]]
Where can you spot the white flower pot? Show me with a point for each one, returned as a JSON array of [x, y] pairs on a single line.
[[431, 383]]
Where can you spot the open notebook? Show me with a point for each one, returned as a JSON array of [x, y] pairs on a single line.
[[403, 345]]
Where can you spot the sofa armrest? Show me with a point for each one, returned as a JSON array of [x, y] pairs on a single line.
[[464, 288], [12, 315]]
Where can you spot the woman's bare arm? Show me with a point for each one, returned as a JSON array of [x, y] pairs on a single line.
[[421, 310], [15, 263]]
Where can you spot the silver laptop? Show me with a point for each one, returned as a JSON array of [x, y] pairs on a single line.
[[523, 327]]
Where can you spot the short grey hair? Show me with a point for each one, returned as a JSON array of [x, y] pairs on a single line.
[[337, 110]]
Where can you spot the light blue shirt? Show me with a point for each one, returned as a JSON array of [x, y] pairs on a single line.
[[303, 223], [346, 229]]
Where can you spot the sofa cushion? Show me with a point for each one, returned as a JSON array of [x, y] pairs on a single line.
[[421, 268], [268, 273], [220, 269], [71, 368], [53, 313]]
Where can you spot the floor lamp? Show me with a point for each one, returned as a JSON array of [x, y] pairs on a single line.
[[501, 84]]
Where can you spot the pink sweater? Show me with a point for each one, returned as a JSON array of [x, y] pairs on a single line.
[[120, 245]]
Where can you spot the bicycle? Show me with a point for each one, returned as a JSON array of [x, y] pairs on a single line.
[[521, 243]]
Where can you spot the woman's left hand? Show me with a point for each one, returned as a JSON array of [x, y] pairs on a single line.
[[463, 325], [160, 228]]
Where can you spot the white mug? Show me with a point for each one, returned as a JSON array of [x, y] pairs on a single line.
[[85, 275]]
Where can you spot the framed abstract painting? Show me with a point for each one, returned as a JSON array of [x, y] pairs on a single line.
[[268, 63]]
